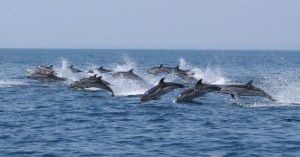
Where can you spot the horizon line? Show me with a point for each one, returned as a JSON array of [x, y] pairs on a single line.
[[174, 49]]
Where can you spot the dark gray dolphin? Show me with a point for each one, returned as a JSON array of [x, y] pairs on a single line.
[[92, 81], [128, 75], [161, 89], [49, 77], [102, 70], [74, 70], [245, 90], [198, 90]]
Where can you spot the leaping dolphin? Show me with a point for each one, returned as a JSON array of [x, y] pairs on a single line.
[[92, 81], [245, 90], [159, 69], [101, 70], [156, 70], [40, 69], [50, 77], [198, 90], [161, 89], [186, 76], [178, 70], [74, 70], [128, 75]]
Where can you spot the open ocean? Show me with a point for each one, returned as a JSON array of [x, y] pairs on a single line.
[[39, 118]]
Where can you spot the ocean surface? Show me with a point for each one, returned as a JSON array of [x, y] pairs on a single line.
[[42, 118]]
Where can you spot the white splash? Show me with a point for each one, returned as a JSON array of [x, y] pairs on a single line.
[[65, 72], [127, 87], [209, 74], [128, 64], [289, 93]]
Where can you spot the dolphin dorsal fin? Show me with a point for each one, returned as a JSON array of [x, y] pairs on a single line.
[[101, 67], [51, 66], [52, 73], [95, 76], [100, 77], [192, 73], [71, 66], [249, 84], [199, 83], [161, 81], [160, 66], [131, 70], [177, 67]]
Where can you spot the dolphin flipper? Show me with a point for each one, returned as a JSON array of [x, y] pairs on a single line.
[[234, 95]]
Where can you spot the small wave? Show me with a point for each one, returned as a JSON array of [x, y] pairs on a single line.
[[267, 104], [12, 82]]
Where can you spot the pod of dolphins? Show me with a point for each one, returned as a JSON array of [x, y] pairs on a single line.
[[48, 73]]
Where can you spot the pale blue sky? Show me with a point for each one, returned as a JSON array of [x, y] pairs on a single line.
[[150, 24]]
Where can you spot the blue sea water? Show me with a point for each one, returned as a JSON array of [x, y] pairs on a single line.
[[39, 118]]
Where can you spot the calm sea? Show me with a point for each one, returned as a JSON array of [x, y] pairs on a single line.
[[39, 118]]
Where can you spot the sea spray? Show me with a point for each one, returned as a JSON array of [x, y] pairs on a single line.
[[209, 74]]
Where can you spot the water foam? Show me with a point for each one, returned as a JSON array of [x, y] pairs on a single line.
[[65, 72], [126, 87], [212, 75], [12, 82], [289, 93]]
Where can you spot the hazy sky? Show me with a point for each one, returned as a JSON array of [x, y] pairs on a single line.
[[150, 24]]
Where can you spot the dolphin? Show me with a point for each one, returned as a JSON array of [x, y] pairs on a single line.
[[74, 70], [198, 90], [100, 77], [50, 76], [156, 70], [101, 70], [159, 69], [128, 75], [92, 81], [245, 90], [41, 69], [161, 89], [186, 76], [178, 70]]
